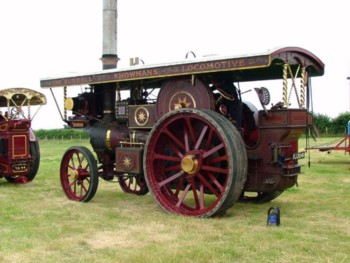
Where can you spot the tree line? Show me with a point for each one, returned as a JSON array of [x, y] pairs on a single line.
[[331, 126]]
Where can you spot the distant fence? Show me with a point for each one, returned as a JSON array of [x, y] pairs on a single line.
[[62, 138]]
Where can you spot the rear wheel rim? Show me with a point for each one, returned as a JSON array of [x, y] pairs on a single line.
[[191, 164]]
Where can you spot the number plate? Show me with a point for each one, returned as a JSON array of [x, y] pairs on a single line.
[[297, 156], [19, 167]]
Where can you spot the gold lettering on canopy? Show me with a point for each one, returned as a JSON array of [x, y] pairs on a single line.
[[162, 71]]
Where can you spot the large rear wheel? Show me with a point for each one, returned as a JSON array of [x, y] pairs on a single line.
[[79, 174], [195, 163]]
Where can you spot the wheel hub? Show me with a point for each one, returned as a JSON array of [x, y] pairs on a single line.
[[189, 164]]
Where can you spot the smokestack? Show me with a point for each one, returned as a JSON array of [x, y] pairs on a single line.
[[109, 54]]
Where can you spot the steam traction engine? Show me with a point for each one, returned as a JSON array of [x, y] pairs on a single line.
[[19, 148], [184, 133]]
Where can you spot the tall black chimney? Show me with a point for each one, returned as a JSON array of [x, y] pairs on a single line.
[[109, 52]]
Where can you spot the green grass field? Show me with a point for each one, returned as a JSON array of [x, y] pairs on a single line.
[[39, 224]]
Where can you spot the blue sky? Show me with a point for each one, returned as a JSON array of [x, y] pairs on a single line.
[[41, 38]]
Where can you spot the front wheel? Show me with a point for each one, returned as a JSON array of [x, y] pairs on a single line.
[[195, 163], [79, 174]]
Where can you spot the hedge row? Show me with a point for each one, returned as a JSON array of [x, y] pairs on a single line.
[[64, 134], [330, 126]]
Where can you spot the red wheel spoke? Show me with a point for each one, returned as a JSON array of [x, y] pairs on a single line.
[[207, 184], [182, 198], [172, 168], [217, 159], [72, 165], [86, 167], [176, 140], [128, 182], [216, 182], [195, 195], [187, 146], [214, 169], [79, 187], [179, 186], [83, 187], [166, 157], [75, 187], [200, 139], [201, 196], [73, 183], [190, 127], [80, 160], [213, 150], [171, 178], [175, 150], [210, 137]]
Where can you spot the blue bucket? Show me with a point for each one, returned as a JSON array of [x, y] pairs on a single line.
[[273, 216]]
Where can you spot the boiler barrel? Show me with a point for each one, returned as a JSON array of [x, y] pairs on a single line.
[[103, 137]]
